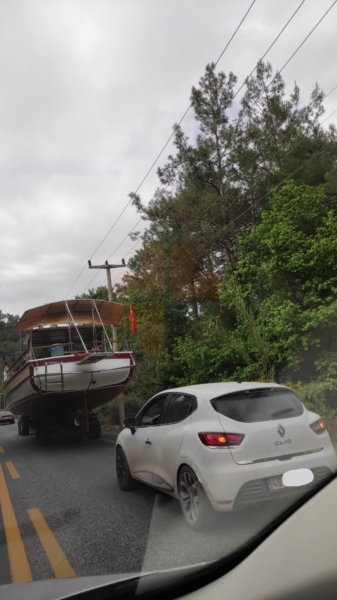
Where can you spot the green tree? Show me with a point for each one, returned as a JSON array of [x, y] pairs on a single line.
[[279, 301], [217, 187]]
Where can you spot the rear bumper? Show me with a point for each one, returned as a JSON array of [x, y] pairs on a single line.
[[257, 492], [230, 486]]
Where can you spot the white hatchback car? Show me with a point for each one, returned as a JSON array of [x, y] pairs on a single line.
[[223, 445]]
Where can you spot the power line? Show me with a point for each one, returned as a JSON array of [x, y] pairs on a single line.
[[235, 32], [331, 113], [159, 155], [278, 72], [172, 134], [305, 39], [282, 68], [335, 88], [270, 47], [245, 81]]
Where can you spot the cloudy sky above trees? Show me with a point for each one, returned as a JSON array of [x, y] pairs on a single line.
[[90, 90]]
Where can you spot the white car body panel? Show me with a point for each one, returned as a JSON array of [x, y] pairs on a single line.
[[140, 454]]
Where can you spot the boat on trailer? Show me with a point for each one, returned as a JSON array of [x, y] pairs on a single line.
[[69, 366]]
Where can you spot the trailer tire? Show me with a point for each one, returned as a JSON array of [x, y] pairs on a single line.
[[24, 428]]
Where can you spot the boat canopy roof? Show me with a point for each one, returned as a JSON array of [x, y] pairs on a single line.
[[82, 311]]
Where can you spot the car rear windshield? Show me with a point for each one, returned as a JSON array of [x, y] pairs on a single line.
[[252, 406]]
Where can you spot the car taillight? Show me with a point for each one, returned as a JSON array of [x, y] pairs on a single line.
[[318, 426], [221, 439]]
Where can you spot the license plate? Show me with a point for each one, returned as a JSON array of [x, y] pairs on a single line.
[[276, 483]]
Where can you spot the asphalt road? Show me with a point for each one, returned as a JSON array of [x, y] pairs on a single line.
[[64, 515]]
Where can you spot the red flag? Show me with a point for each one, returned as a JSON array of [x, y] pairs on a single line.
[[132, 320]]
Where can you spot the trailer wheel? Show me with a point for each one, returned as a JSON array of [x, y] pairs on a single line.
[[42, 434], [24, 425]]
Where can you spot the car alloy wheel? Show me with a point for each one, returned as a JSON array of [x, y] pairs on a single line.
[[189, 496], [194, 503]]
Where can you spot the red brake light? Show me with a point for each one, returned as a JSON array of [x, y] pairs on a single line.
[[221, 439], [318, 426]]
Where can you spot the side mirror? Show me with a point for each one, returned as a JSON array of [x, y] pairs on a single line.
[[129, 423]]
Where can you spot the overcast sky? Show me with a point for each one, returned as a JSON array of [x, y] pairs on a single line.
[[90, 90]]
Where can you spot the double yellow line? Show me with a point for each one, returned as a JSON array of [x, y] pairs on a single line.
[[19, 565], [20, 568]]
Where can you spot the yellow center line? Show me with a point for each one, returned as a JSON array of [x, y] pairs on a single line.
[[1, 449], [20, 569], [106, 440], [52, 548], [12, 470]]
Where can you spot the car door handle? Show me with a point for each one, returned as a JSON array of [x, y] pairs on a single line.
[[148, 442]]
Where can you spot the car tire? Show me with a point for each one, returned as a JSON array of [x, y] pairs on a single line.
[[196, 508], [124, 478], [24, 425]]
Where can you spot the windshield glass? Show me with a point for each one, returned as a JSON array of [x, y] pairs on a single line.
[[168, 278]]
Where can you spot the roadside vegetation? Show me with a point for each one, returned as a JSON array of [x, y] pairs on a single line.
[[9, 341]]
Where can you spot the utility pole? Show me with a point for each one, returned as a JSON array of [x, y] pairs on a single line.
[[107, 267]]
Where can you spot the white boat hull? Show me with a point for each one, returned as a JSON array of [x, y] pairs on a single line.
[[59, 385]]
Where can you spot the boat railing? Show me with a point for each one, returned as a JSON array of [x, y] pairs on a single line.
[[29, 353], [19, 362]]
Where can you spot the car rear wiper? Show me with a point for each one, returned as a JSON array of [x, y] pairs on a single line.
[[282, 412]]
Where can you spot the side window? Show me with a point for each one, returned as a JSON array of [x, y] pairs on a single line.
[[179, 408], [152, 413]]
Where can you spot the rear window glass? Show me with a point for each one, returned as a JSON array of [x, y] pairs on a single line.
[[259, 405]]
